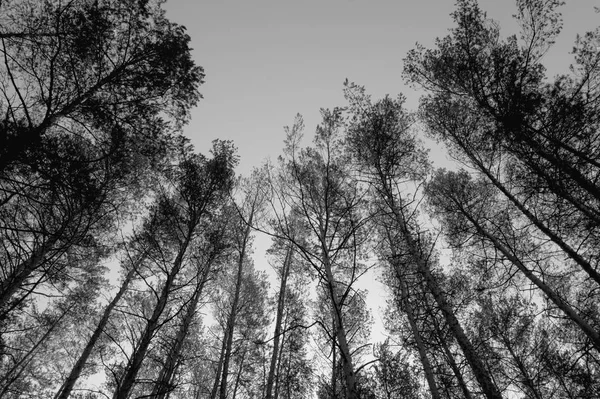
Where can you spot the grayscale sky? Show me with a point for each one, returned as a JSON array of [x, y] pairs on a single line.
[[266, 60]]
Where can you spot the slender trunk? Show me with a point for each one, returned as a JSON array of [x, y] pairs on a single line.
[[575, 175], [404, 291], [479, 370], [163, 386], [427, 369], [15, 280], [279, 361], [340, 331], [19, 367], [215, 389], [451, 361], [527, 381], [558, 301], [139, 353], [280, 309], [572, 253], [239, 374], [333, 359], [232, 316], [67, 386]]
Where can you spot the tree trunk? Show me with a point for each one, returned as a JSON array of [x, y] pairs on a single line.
[[572, 253], [12, 283], [12, 374], [280, 359], [163, 386], [233, 314], [340, 332], [239, 375], [139, 353], [280, 309], [67, 386], [451, 361], [479, 370], [215, 389], [558, 301], [427, 369]]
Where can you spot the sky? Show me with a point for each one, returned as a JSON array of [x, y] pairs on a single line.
[[267, 60]]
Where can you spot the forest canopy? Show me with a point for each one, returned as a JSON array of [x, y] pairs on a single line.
[[127, 265]]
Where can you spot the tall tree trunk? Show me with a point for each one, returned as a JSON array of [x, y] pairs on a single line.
[[333, 358], [555, 238], [15, 280], [404, 291], [427, 369], [215, 389], [139, 353], [571, 313], [163, 386], [477, 366], [19, 367], [451, 360], [67, 386], [239, 374], [479, 370], [280, 310], [526, 379], [232, 316], [340, 331], [280, 358]]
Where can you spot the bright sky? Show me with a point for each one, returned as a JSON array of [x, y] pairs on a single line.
[[267, 60]]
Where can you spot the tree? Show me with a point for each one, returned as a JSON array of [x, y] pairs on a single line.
[[388, 154], [250, 207], [209, 253], [94, 93], [535, 140], [395, 378], [109, 69], [200, 185], [315, 183], [468, 208]]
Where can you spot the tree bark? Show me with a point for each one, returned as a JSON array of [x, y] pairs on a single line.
[[215, 389]]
